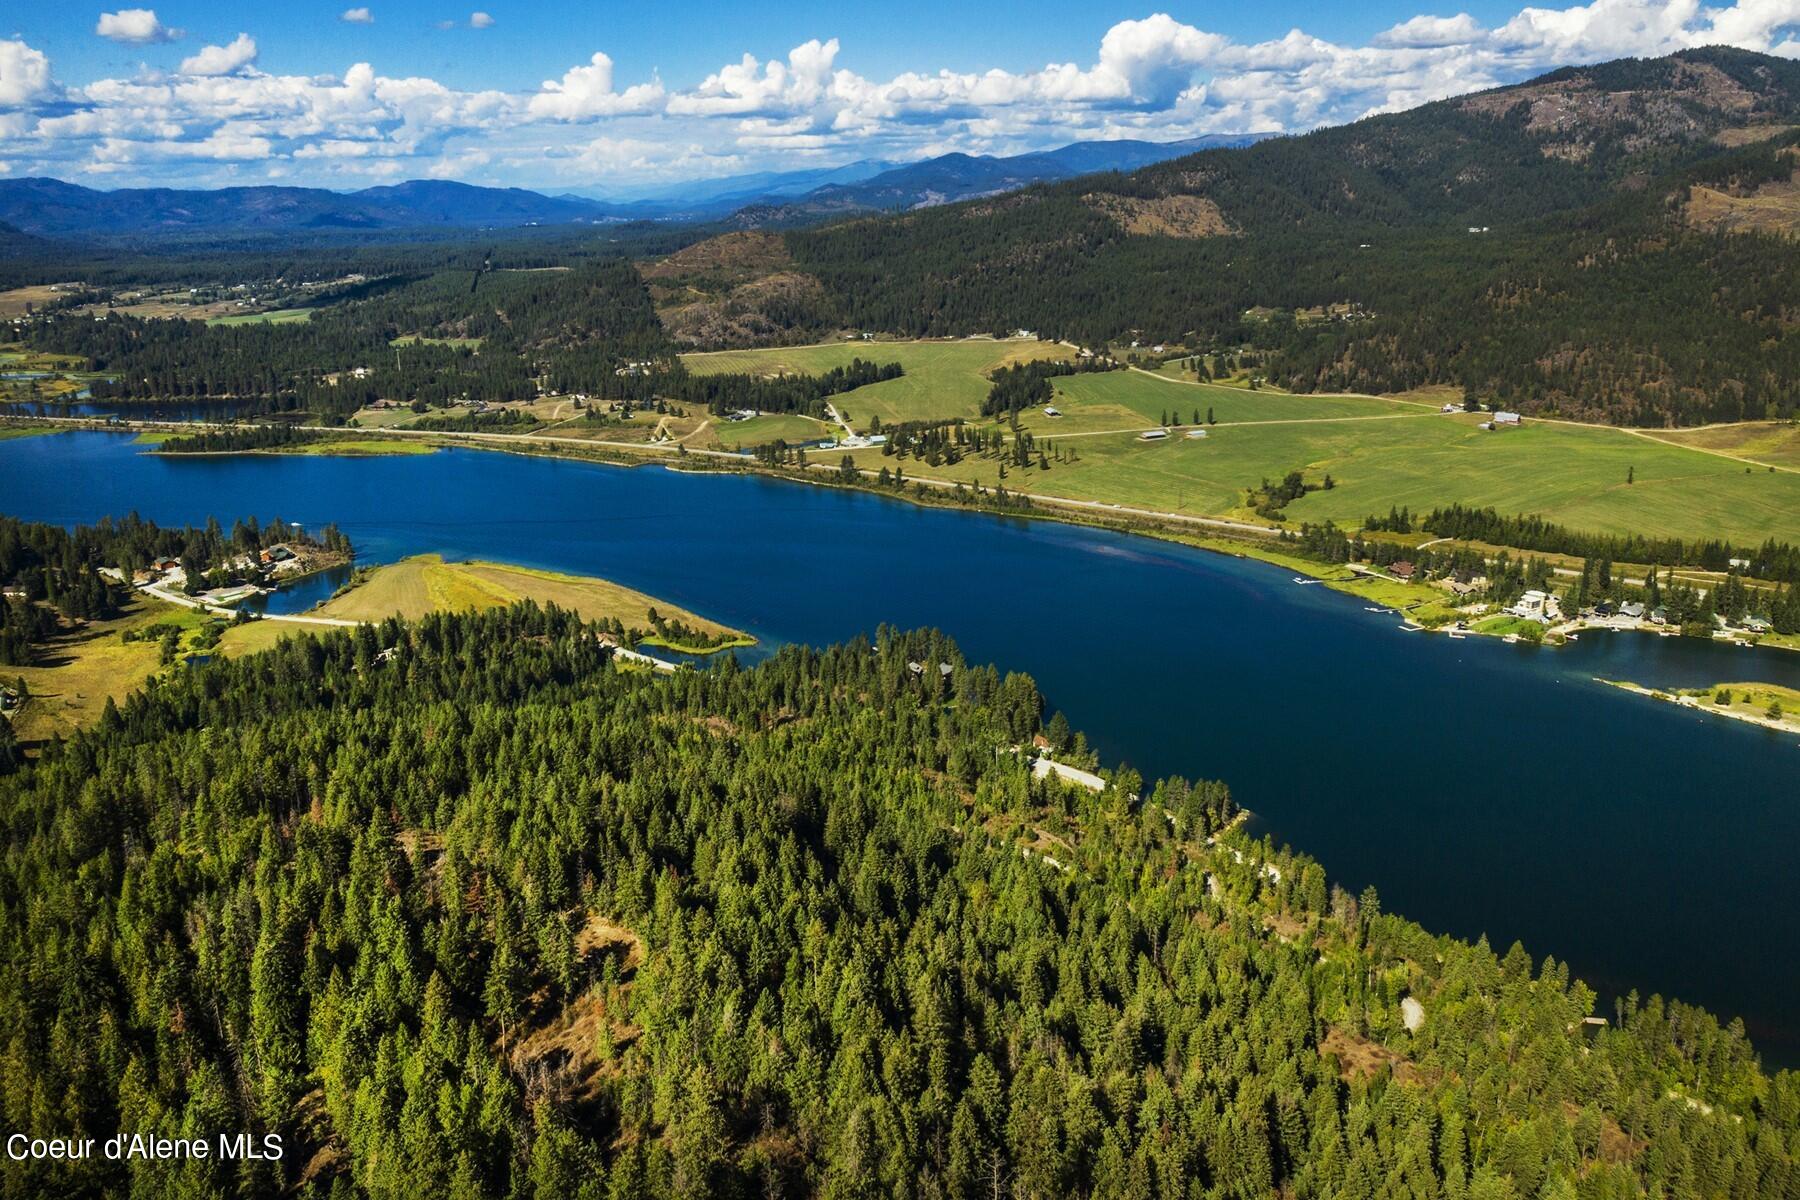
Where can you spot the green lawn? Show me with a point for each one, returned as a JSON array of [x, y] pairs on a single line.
[[278, 316], [942, 380], [1574, 475], [760, 431]]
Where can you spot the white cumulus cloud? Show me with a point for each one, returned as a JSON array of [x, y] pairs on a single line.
[[228, 59], [357, 16], [137, 25], [586, 92], [1150, 77], [24, 75], [1430, 33]]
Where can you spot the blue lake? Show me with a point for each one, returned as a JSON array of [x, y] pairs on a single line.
[[1481, 787]]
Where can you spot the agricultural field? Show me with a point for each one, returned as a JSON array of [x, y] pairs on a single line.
[[277, 316], [943, 379], [1399, 456], [426, 583], [1139, 400], [15, 301], [1772, 443], [760, 431]]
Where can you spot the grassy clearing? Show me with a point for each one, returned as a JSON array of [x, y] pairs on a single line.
[[760, 431], [943, 379], [1135, 400], [1574, 475], [275, 316], [19, 431], [76, 673], [359, 447], [1775, 443], [413, 339], [14, 302], [427, 583]]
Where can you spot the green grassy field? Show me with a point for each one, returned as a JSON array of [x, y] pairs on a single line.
[[760, 431], [360, 447], [1776, 443], [426, 583], [278, 316], [413, 339], [942, 380], [1405, 455], [75, 673], [1136, 400]]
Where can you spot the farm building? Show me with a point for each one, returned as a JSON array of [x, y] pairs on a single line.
[[1506, 418], [1153, 435]]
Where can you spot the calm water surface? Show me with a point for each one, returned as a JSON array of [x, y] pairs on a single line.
[[1481, 787]]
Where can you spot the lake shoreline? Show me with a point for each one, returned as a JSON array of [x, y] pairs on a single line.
[[1782, 725], [1222, 535]]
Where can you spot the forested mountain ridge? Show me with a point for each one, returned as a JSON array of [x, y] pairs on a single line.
[[1531, 244], [456, 907]]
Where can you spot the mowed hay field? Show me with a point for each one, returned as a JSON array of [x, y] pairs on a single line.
[[426, 583], [942, 380], [1776, 443], [1138, 400], [761, 431], [1400, 455]]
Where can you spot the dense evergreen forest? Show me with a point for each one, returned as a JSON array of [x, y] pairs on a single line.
[[1543, 261], [458, 908]]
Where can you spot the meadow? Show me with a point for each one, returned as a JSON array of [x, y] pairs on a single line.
[[426, 583], [1382, 453], [1775, 443], [276, 316], [79, 670], [943, 379]]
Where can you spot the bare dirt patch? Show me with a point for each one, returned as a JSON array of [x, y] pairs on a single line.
[[563, 1052], [1771, 208], [1358, 1057], [1747, 135], [1164, 216]]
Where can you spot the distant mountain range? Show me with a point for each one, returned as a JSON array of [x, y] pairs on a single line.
[[52, 208]]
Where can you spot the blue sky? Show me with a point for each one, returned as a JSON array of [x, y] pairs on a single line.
[[610, 97]]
